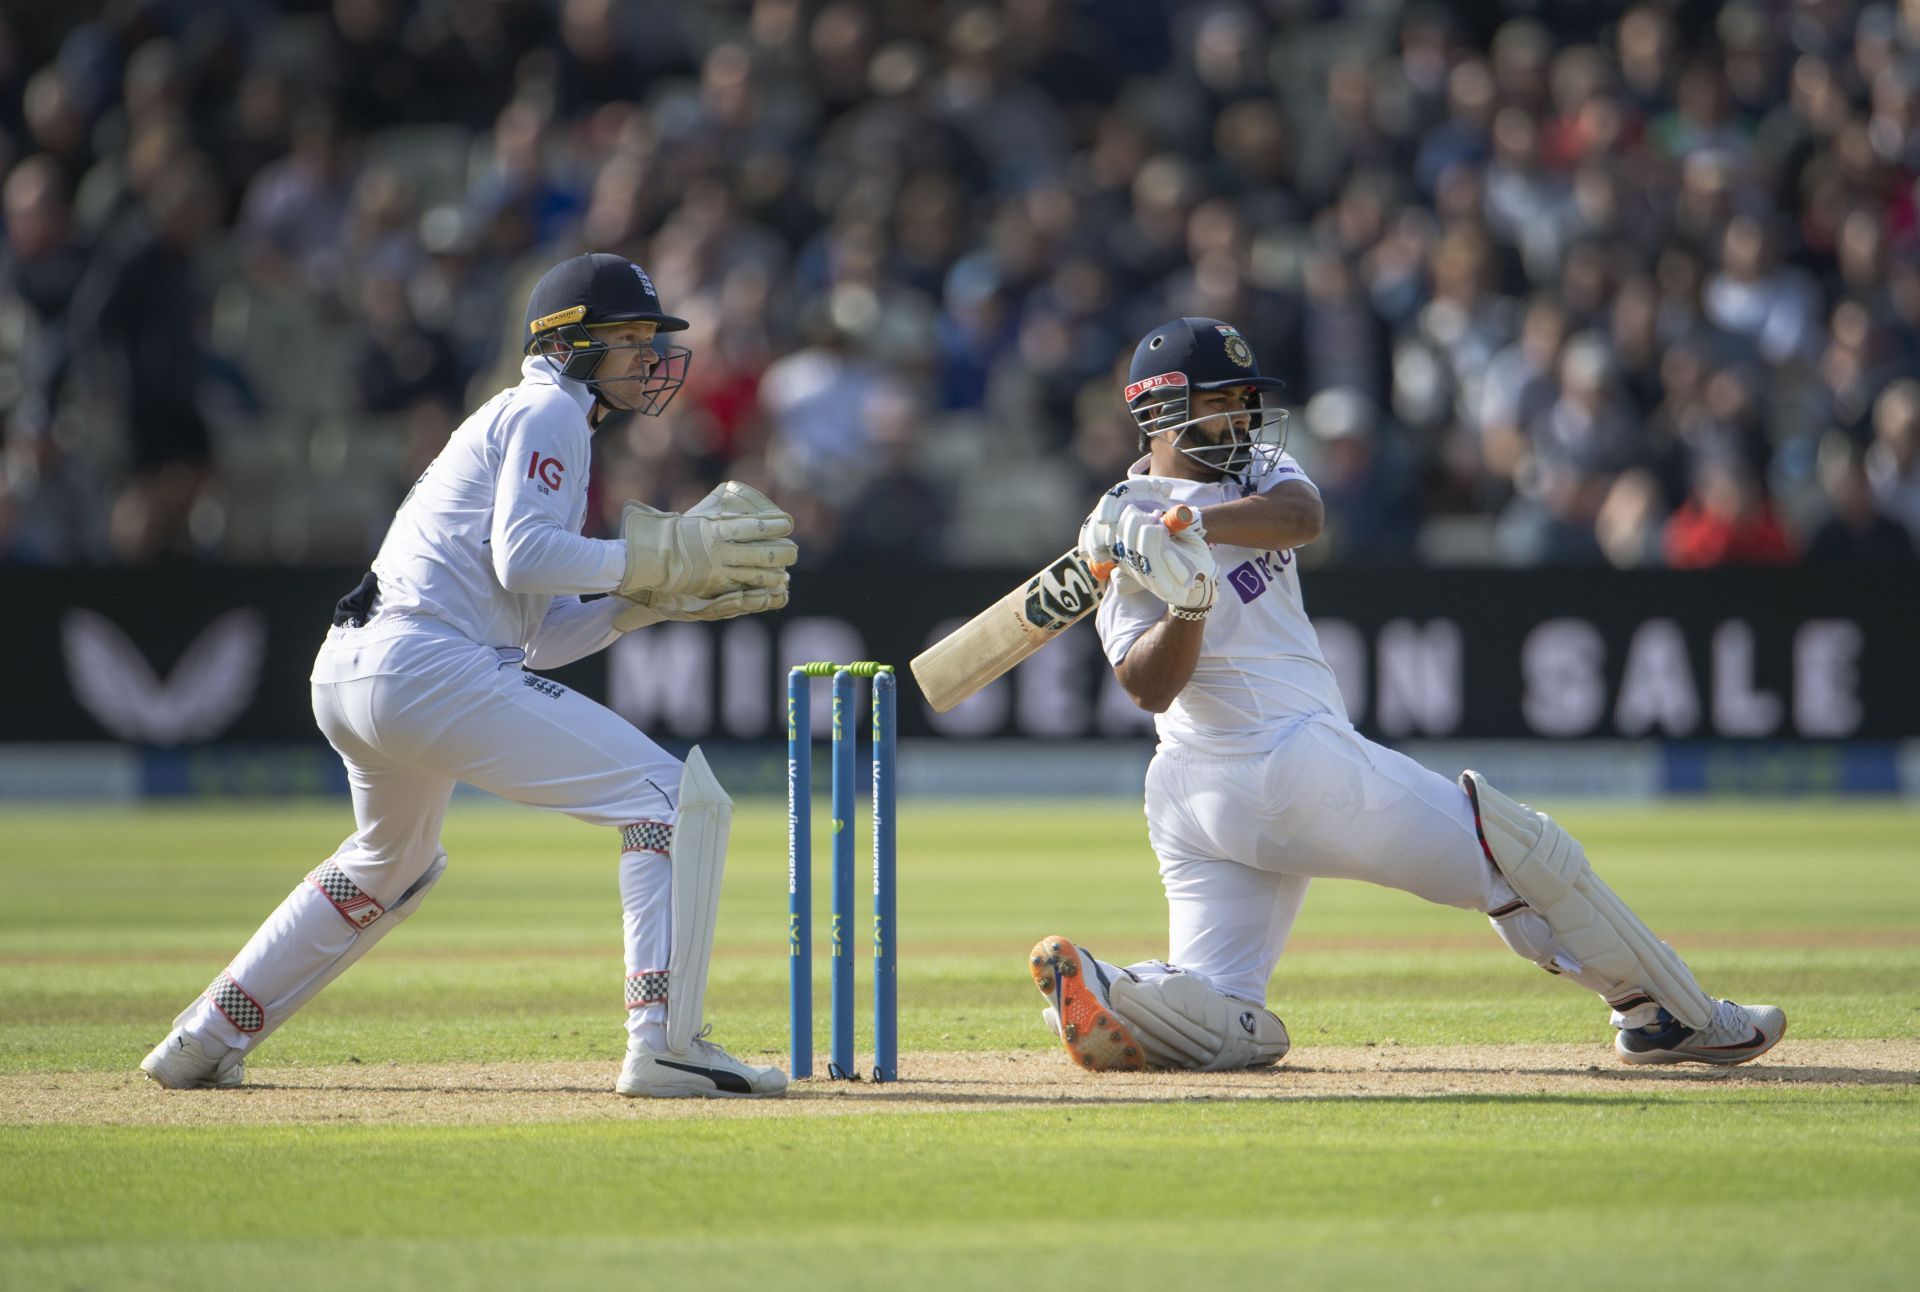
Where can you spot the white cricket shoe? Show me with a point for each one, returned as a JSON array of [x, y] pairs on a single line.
[[182, 1062], [1076, 989], [705, 1071], [1736, 1034]]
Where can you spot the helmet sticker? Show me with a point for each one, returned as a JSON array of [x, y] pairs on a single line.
[[572, 314], [1141, 387], [1237, 348]]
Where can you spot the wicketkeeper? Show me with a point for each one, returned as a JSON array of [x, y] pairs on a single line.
[[1261, 784], [423, 682]]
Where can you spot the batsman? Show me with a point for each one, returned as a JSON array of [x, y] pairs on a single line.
[[423, 681], [1260, 784]]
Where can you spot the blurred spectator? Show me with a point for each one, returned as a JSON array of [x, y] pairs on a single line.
[[1362, 478], [49, 513], [140, 310], [1855, 530], [43, 264], [1893, 462], [970, 212], [897, 512], [1575, 449], [296, 208], [818, 441], [1521, 387], [1755, 297], [1726, 521], [1631, 519]]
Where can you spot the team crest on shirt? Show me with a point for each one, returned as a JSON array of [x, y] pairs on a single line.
[[1237, 348]]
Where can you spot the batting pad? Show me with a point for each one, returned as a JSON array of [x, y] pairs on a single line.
[[1183, 1022], [1547, 866], [699, 855]]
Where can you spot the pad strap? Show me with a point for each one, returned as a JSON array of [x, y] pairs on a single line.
[[647, 836], [355, 907], [648, 987], [241, 1009]]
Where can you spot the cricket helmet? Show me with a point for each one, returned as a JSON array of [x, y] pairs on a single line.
[[1192, 354], [591, 291]]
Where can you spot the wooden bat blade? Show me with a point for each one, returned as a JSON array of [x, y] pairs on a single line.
[[1006, 632], [986, 646]]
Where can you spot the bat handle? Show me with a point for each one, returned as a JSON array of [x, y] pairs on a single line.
[[1175, 519]]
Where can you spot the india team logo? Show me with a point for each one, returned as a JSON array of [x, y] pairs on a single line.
[[1237, 348]]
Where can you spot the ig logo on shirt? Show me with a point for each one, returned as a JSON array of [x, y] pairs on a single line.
[[545, 473]]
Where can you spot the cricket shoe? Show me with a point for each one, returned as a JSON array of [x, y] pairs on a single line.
[[1076, 989], [704, 1071], [182, 1062], [1735, 1034]]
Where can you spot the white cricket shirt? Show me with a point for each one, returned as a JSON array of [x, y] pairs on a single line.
[[1260, 663], [489, 537]]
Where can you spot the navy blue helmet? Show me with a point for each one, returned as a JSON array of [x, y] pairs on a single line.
[[1192, 354], [591, 291]]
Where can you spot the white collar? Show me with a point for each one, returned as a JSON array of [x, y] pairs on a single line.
[[535, 370], [1143, 470]]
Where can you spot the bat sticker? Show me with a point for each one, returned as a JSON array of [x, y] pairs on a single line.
[[1061, 593]]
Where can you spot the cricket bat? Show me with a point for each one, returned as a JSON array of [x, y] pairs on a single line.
[[1018, 624]]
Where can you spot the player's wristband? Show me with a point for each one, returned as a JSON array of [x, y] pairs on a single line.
[[1191, 616]]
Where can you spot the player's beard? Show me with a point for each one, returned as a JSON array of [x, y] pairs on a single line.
[[1226, 452]]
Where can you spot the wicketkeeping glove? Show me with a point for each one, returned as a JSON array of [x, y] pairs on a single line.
[[728, 605], [734, 538]]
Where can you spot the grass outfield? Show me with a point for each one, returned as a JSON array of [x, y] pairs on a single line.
[[1449, 1118]]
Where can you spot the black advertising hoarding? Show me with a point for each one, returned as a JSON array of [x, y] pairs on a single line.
[[195, 655]]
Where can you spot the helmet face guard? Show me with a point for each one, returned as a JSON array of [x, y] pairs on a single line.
[[595, 291], [1252, 438], [572, 350]]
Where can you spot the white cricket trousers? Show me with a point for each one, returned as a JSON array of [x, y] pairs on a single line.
[[1240, 837], [443, 709]]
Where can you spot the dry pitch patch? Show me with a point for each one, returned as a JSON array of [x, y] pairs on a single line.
[[504, 1093]]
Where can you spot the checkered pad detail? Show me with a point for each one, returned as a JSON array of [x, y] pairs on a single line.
[[646, 836], [355, 907], [231, 999], [648, 987]]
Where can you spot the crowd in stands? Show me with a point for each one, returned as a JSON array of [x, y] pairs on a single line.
[[1589, 284]]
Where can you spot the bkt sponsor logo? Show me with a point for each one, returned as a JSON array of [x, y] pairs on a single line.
[[1251, 578]]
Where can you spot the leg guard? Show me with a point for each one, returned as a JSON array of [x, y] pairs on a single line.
[[257, 1019], [1546, 866], [699, 854], [1182, 1021]]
